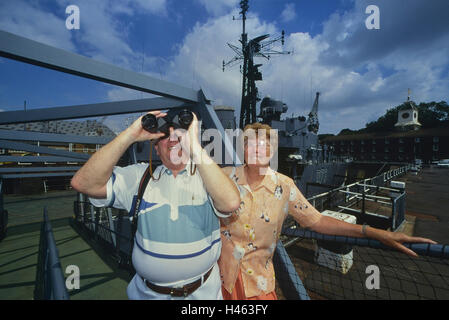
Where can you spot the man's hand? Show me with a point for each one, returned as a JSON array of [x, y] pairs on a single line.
[[92, 177], [190, 142], [138, 133]]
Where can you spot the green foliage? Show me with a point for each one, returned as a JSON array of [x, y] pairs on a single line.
[[430, 115], [325, 135], [385, 122], [347, 131], [433, 114]]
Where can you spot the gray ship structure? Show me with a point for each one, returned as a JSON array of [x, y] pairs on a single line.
[[311, 165], [300, 155]]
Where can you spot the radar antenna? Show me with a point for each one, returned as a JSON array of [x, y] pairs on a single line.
[[256, 47]]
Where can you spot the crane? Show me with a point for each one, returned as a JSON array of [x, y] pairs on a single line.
[[312, 122]]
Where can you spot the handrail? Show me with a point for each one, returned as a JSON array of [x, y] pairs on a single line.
[[54, 283], [289, 280], [424, 249], [403, 170]]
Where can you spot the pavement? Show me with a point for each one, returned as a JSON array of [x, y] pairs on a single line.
[[400, 276], [427, 200]]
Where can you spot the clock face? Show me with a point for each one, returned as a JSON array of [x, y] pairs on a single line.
[[405, 115]]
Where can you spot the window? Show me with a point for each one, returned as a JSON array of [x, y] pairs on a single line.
[[435, 147], [387, 150], [401, 149], [374, 141], [387, 141], [436, 139], [417, 140], [401, 140]]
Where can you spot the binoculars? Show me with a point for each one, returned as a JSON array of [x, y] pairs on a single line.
[[174, 118]]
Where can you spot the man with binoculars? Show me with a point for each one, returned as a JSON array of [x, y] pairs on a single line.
[[177, 243]]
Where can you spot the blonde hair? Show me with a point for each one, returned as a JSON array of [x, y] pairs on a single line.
[[252, 131], [256, 126]]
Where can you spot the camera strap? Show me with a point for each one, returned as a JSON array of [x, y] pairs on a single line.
[[136, 204]]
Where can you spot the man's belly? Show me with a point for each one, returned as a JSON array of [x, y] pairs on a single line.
[[167, 264]]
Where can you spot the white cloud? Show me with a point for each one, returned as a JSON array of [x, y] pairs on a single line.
[[198, 63], [219, 7], [152, 6], [289, 13], [359, 73], [27, 20], [351, 94], [101, 35]]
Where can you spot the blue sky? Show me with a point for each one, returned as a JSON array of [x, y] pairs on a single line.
[[360, 73]]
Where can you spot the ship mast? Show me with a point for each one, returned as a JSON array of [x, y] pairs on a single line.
[[256, 47]]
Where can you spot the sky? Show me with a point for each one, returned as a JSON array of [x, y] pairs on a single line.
[[360, 72]]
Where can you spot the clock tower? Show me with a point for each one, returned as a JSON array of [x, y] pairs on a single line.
[[408, 116]]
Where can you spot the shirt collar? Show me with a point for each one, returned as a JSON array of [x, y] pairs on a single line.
[[164, 170], [270, 181]]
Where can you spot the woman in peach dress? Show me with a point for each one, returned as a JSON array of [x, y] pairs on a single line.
[[250, 235]]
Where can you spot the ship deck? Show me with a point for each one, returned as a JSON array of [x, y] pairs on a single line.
[[99, 278], [426, 215]]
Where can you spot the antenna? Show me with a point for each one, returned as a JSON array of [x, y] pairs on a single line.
[[257, 47], [143, 63]]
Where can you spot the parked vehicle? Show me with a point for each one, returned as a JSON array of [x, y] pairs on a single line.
[[443, 164]]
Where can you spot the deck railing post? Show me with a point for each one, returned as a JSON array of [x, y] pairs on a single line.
[[112, 227]]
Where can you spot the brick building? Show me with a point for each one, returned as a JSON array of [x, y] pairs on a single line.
[[407, 143], [425, 144]]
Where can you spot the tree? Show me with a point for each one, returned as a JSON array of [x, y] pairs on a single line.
[[430, 115], [347, 131], [433, 114]]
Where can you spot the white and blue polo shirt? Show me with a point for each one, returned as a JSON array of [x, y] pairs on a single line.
[[178, 231]]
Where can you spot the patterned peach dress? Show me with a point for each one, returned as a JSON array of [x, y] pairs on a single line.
[[250, 235]]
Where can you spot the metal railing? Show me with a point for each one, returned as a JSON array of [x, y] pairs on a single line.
[[3, 214], [51, 284], [110, 227], [348, 198], [366, 269], [337, 267]]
